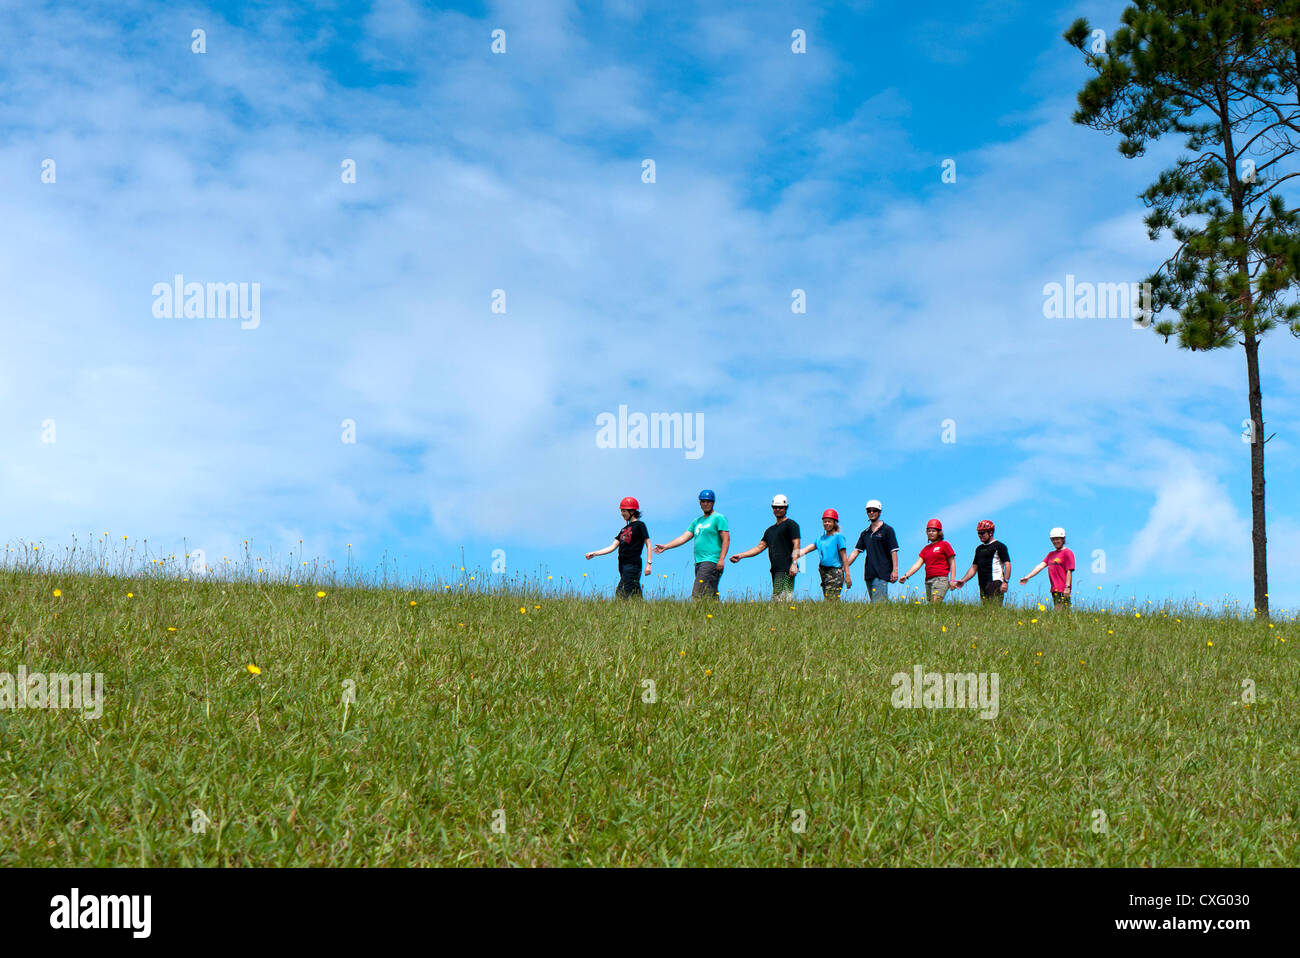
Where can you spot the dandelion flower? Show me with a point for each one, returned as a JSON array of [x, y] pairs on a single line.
[[522, 610], [1209, 643], [1032, 621], [171, 628], [1041, 607], [709, 616], [254, 669], [320, 595], [413, 603], [57, 593], [708, 671], [130, 595], [682, 652]]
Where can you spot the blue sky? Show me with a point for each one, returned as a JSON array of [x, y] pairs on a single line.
[[522, 172]]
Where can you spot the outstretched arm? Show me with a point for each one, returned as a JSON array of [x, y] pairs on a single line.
[[915, 565], [1033, 572], [605, 551], [684, 537], [749, 553]]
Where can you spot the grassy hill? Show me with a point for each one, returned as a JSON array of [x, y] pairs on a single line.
[[1121, 738]]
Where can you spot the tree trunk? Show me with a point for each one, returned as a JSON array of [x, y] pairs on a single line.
[[1257, 538]]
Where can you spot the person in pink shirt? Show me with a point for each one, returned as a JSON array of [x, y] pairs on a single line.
[[1059, 564], [937, 558]]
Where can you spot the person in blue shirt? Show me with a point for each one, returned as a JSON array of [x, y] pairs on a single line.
[[832, 557]]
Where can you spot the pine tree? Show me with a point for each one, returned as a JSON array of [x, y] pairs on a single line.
[[1208, 72]]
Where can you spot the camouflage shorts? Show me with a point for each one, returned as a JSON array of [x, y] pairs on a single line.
[[832, 582]]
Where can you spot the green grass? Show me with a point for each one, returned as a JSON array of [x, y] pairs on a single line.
[[465, 705]]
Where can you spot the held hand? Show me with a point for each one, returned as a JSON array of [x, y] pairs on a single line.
[[722, 566], [848, 582], [1024, 580], [794, 569], [1004, 587], [952, 583], [893, 577], [735, 558], [659, 549], [901, 579], [959, 583]]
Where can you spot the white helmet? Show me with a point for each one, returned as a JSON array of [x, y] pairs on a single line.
[[875, 504], [1057, 533], [780, 501]]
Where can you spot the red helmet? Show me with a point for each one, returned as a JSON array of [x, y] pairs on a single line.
[[985, 525], [629, 503], [934, 524], [831, 514]]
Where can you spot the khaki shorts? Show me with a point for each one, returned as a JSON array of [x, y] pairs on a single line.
[[936, 588]]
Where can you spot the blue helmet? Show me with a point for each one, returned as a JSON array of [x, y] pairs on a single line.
[[706, 495]]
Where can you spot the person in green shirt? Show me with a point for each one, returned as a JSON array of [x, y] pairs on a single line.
[[712, 539]]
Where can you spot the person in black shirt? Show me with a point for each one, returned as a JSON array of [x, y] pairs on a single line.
[[881, 546], [781, 540], [992, 563], [629, 542]]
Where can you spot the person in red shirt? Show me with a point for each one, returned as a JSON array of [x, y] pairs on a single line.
[[937, 558], [1059, 564]]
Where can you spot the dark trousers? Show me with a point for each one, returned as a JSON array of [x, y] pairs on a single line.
[[629, 581], [707, 575]]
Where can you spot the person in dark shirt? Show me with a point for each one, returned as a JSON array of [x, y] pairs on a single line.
[[781, 540], [992, 563], [881, 546], [629, 542]]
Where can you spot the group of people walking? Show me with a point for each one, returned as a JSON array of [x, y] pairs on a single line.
[[991, 563]]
